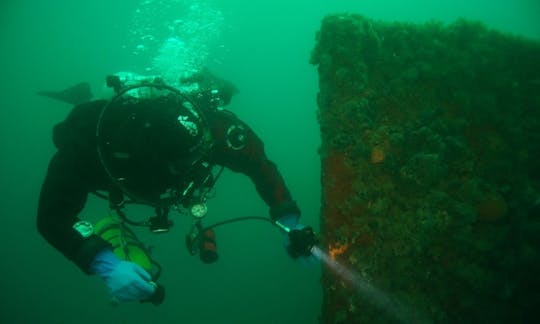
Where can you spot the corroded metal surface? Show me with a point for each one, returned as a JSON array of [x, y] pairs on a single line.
[[430, 142]]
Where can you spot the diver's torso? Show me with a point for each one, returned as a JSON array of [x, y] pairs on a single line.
[[76, 136]]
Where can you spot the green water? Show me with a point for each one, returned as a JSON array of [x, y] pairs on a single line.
[[264, 48]]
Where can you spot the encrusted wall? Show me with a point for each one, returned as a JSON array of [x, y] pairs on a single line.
[[431, 180]]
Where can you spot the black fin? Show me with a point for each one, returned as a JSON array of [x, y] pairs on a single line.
[[74, 95]]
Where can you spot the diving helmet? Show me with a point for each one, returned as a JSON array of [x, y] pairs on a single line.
[[150, 138]]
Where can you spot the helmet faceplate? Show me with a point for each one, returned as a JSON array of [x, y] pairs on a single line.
[[150, 138]]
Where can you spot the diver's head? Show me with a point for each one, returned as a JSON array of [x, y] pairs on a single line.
[[149, 138], [210, 91]]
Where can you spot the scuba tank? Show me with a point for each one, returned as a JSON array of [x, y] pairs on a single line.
[[126, 246]]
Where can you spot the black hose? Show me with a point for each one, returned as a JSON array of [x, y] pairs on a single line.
[[229, 221], [238, 219]]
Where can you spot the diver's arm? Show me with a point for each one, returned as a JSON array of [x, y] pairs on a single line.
[[252, 161], [63, 196]]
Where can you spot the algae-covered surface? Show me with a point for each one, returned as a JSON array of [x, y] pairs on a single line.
[[431, 181]]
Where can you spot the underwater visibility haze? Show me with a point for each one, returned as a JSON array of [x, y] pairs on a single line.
[[264, 48]]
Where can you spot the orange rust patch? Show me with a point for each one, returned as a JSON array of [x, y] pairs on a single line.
[[337, 249], [377, 155]]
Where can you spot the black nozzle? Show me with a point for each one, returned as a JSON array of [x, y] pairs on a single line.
[[301, 242], [158, 296], [161, 222]]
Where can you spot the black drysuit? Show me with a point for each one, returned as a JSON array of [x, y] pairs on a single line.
[[75, 171]]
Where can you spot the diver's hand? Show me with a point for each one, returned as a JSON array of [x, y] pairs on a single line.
[[291, 221], [127, 281]]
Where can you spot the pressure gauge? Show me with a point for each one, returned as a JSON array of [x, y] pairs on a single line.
[[199, 210]]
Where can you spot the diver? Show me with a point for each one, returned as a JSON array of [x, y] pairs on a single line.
[[149, 144]]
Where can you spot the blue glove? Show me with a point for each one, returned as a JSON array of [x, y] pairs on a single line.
[[291, 221], [127, 281]]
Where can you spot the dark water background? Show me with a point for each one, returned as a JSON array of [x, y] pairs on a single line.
[[264, 49]]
